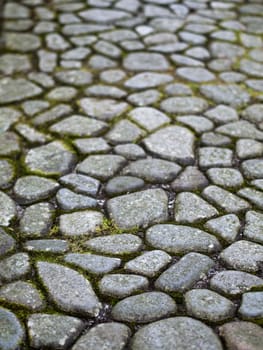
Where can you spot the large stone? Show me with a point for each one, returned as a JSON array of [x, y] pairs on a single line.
[[251, 307], [68, 289], [110, 336], [179, 239], [14, 90], [147, 80], [143, 61], [80, 223], [104, 16], [12, 333], [139, 209], [69, 200], [53, 159], [144, 308], [182, 333], [174, 143], [254, 226], [53, 331], [184, 105], [226, 227]]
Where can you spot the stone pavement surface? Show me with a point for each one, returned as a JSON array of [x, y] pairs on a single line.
[[131, 175]]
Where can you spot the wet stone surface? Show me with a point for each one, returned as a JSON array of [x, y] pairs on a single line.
[[131, 174]]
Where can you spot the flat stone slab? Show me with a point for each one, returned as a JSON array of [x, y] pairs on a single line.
[[143, 61], [139, 209], [14, 90], [242, 335], [177, 332], [184, 105], [226, 227], [53, 331], [110, 336], [179, 239], [80, 223], [144, 308], [68, 289], [174, 143], [12, 332], [147, 80], [253, 226]]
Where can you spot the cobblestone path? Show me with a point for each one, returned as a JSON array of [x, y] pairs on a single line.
[[131, 175]]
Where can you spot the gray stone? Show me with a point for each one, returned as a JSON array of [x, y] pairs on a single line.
[[81, 183], [9, 144], [14, 267], [149, 118], [144, 308], [195, 75], [12, 332], [110, 336], [84, 222], [7, 243], [56, 42], [247, 148], [8, 209], [221, 49], [78, 53], [22, 294], [215, 157], [95, 264], [53, 331], [222, 114], [225, 177], [7, 173], [68, 200], [74, 77], [120, 285], [102, 167], [143, 61], [100, 62], [185, 273], [225, 200], [225, 227], [13, 63], [190, 179], [230, 94], [139, 209], [147, 80], [242, 335], [112, 76], [253, 226], [253, 113], [243, 255], [69, 290], [101, 90], [130, 151], [174, 143], [182, 60], [253, 168], [52, 114], [198, 124], [107, 49], [149, 263], [91, 145], [124, 131], [179, 239], [208, 306], [180, 333], [121, 244], [241, 129], [22, 42], [153, 170], [178, 89], [251, 306], [184, 105], [253, 196], [8, 116], [233, 283], [31, 135], [144, 98], [251, 68], [62, 93], [53, 246], [213, 139], [190, 208], [30, 189], [54, 159], [103, 16], [80, 126], [105, 109], [123, 184]]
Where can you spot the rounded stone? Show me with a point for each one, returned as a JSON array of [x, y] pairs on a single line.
[[110, 336], [143, 61], [12, 334], [208, 306], [8, 209], [30, 189], [123, 184], [251, 308], [144, 308], [182, 333], [121, 285]]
